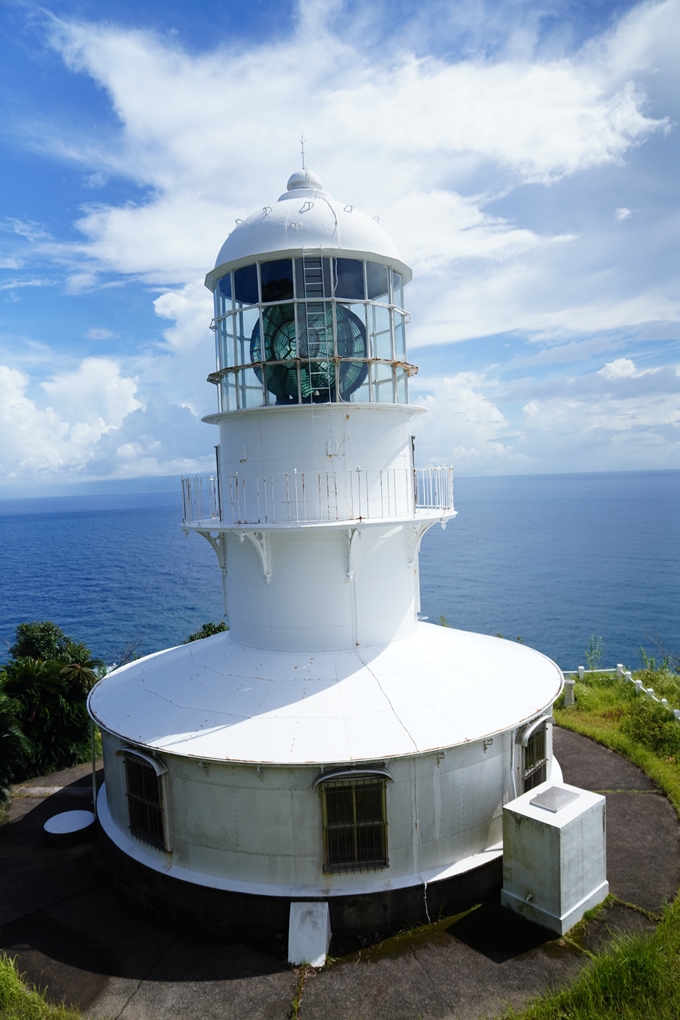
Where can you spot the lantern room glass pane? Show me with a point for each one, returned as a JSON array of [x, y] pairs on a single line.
[[228, 393], [380, 332], [378, 285], [402, 386], [383, 391], [249, 389], [349, 279], [223, 293], [226, 350], [246, 322], [312, 278], [245, 285], [397, 289], [277, 280], [399, 337]]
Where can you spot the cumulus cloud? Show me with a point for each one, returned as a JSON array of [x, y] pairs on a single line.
[[617, 418], [477, 166], [534, 120], [90, 423]]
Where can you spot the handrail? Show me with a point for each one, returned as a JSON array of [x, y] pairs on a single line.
[[304, 497]]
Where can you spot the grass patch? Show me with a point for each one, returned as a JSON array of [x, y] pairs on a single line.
[[638, 977], [17, 1002], [612, 712]]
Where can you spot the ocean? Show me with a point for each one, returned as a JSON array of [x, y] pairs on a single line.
[[552, 559]]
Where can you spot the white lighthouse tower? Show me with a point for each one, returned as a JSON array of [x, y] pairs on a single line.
[[329, 747]]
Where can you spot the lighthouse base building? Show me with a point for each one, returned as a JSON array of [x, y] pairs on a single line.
[[330, 746]]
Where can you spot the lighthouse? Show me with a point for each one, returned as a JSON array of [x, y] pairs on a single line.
[[331, 748]]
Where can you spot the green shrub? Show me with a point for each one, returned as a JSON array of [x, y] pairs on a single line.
[[653, 726], [15, 748], [45, 640], [207, 630], [50, 709]]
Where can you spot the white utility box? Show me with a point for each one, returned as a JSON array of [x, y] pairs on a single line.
[[309, 933], [554, 854]]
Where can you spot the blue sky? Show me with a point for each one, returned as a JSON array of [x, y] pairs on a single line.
[[524, 156]]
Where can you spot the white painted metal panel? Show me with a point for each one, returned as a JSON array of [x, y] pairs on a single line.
[[202, 699]]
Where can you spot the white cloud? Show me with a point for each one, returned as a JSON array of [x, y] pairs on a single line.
[[436, 147], [98, 334], [463, 425], [534, 120], [91, 424], [622, 368]]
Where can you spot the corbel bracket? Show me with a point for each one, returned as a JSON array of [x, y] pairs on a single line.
[[414, 537], [260, 540], [352, 534], [218, 541]]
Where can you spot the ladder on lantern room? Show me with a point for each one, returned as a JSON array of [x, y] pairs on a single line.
[[315, 314]]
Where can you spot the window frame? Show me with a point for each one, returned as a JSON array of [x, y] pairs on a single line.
[[158, 836], [535, 758], [351, 781]]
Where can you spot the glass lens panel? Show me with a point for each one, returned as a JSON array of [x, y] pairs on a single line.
[[380, 333], [352, 347], [397, 289], [399, 337], [349, 279], [223, 295], [377, 281], [362, 394], [277, 280], [245, 285]]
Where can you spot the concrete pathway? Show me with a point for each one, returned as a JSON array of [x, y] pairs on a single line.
[[78, 935]]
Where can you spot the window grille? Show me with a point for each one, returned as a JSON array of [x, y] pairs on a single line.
[[535, 760], [144, 802], [354, 825]]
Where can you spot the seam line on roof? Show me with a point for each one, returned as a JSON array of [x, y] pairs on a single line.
[[386, 697]]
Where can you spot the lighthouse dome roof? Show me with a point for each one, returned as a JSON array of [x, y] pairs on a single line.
[[307, 217]]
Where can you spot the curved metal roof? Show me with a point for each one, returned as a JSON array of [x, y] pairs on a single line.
[[306, 216], [216, 700]]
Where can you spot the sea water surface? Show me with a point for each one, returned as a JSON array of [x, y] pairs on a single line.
[[551, 559]]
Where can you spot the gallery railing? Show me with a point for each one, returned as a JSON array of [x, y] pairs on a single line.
[[310, 497]]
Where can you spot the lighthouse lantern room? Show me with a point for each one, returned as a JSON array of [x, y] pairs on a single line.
[[330, 746]]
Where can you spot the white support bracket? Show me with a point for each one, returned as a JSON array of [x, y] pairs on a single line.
[[414, 536], [352, 534], [218, 541], [260, 540]]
